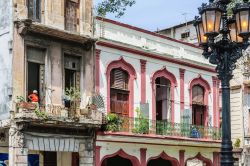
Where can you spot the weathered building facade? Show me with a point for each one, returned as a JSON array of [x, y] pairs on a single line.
[[47, 46], [162, 100]]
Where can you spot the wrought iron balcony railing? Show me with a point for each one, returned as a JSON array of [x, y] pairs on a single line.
[[163, 128]]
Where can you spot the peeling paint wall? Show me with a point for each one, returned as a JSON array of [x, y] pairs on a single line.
[[5, 58], [53, 14]]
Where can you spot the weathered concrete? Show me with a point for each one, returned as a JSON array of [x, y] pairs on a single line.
[[5, 58]]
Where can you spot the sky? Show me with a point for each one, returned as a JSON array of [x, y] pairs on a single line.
[[154, 15]]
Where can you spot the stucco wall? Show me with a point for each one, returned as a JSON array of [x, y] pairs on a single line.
[[5, 57], [108, 55]]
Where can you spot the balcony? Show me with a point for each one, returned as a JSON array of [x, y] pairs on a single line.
[[57, 114], [147, 127]]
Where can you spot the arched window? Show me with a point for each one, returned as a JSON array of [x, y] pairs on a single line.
[[198, 106], [119, 92]]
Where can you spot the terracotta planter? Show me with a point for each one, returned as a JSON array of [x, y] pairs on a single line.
[[27, 105]]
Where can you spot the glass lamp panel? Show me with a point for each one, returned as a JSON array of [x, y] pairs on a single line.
[[218, 21], [210, 21], [204, 21], [237, 16], [198, 33], [244, 21], [203, 38], [234, 35]]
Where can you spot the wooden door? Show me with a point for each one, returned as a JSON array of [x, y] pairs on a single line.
[[71, 16], [198, 115]]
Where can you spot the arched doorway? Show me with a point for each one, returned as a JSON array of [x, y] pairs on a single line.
[[163, 98], [163, 82], [198, 106], [198, 160], [117, 160], [159, 162], [199, 90]]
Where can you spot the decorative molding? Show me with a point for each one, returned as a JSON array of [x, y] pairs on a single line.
[[182, 157], [166, 74], [154, 56], [97, 155], [216, 158], [145, 31], [143, 154], [182, 88], [143, 80], [202, 158], [49, 143], [123, 154], [122, 64], [97, 70], [164, 156]]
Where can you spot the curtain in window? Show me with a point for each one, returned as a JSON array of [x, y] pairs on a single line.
[[198, 95]]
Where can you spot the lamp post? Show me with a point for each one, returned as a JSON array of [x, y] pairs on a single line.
[[223, 39]]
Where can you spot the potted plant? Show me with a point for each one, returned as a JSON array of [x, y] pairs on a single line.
[[23, 104], [141, 123], [114, 122], [72, 99]]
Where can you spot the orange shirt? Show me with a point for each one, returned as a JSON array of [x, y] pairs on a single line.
[[34, 98]]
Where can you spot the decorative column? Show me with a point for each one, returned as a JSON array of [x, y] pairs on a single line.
[[143, 81], [143, 152], [86, 151], [97, 155], [216, 159], [182, 94], [215, 102], [97, 70], [18, 153], [182, 157]]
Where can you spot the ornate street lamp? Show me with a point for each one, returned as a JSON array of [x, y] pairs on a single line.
[[223, 39]]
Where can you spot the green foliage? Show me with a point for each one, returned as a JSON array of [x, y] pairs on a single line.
[[40, 114], [114, 122], [237, 143], [141, 123], [20, 99], [232, 5], [114, 6], [73, 94]]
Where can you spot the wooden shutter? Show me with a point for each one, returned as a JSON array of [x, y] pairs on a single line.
[[71, 15], [119, 79]]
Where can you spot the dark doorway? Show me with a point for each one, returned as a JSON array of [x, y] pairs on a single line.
[[163, 102], [33, 77], [159, 162], [117, 161], [70, 78], [50, 159]]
